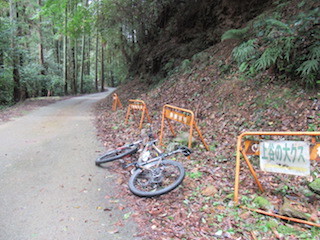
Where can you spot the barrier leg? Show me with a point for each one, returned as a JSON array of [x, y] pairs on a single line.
[[142, 118], [201, 137], [127, 115], [161, 129], [252, 171], [237, 174], [171, 128], [148, 116]]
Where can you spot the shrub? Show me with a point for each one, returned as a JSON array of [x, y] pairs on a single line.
[[6, 87], [291, 48]]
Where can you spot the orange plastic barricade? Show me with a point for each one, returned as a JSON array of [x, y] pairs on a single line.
[[116, 102], [181, 115], [252, 147], [137, 105]]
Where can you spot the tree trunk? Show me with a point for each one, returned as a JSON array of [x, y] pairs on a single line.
[[40, 47], [96, 63], [65, 53], [15, 57], [111, 75], [74, 54], [82, 62], [56, 44], [122, 46], [1, 59], [102, 66], [88, 56]]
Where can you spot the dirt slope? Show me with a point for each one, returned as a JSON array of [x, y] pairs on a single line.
[[225, 105]]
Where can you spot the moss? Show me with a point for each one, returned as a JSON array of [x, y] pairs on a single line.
[[272, 224], [290, 211], [263, 203], [315, 186], [287, 230]]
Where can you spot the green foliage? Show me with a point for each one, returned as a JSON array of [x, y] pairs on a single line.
[[245, 52], [309, 69], [56, 85], [6, 84], [31, 78], [185, 66], [88, 85], [290, 48], [194, 175], [6, 87], [235, 34], [274, 24]]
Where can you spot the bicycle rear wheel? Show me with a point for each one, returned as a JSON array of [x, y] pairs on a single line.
[[153, 179], [116, 154]]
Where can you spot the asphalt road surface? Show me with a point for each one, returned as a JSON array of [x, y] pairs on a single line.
[[50, 187]]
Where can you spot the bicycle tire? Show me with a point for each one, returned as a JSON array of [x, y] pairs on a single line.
[[141, 174], [116, 154]]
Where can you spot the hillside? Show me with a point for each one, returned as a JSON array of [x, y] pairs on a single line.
[[226, 102], [225, 106], [184, 28]]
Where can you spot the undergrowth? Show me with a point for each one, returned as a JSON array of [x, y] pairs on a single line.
[[287, 46]]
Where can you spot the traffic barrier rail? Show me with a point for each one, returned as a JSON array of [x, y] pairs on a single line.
[[293, 155], [137, 105], [183, 116]]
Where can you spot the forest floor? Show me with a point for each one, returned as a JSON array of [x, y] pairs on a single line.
[[6, 114], [225, 104]]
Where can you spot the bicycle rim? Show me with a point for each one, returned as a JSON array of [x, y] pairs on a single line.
[[116, 154], [156, 180]]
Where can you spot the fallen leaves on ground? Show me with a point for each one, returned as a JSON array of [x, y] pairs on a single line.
[[202, 207]]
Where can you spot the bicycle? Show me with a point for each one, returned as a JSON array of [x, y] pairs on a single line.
[[153, 175]]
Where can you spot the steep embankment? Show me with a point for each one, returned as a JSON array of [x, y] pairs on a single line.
[[225, 106], [184, 28]]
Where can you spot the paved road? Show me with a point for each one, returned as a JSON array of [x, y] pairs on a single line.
[[49, 185]]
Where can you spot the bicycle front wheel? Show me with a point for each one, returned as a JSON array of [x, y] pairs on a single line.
[[116, 154], [155, 179]]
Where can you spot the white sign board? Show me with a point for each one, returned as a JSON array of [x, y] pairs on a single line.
[[289, 157]]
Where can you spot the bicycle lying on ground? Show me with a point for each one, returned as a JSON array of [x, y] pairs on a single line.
[[153, 174]]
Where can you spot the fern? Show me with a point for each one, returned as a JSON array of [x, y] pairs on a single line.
[[268, 58], [235, 34], [287, 46], [291, 47], [314, 52], [243, 67], [279, 25], [308, 67], [245, 51]]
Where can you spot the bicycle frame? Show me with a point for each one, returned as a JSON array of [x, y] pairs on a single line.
[[152, 174], [161, 155]]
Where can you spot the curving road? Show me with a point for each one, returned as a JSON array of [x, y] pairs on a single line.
[[50, 188]]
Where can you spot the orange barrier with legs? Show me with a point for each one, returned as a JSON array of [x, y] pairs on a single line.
[[249, 147], [181, 115], [116, 102], [137, 105]]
